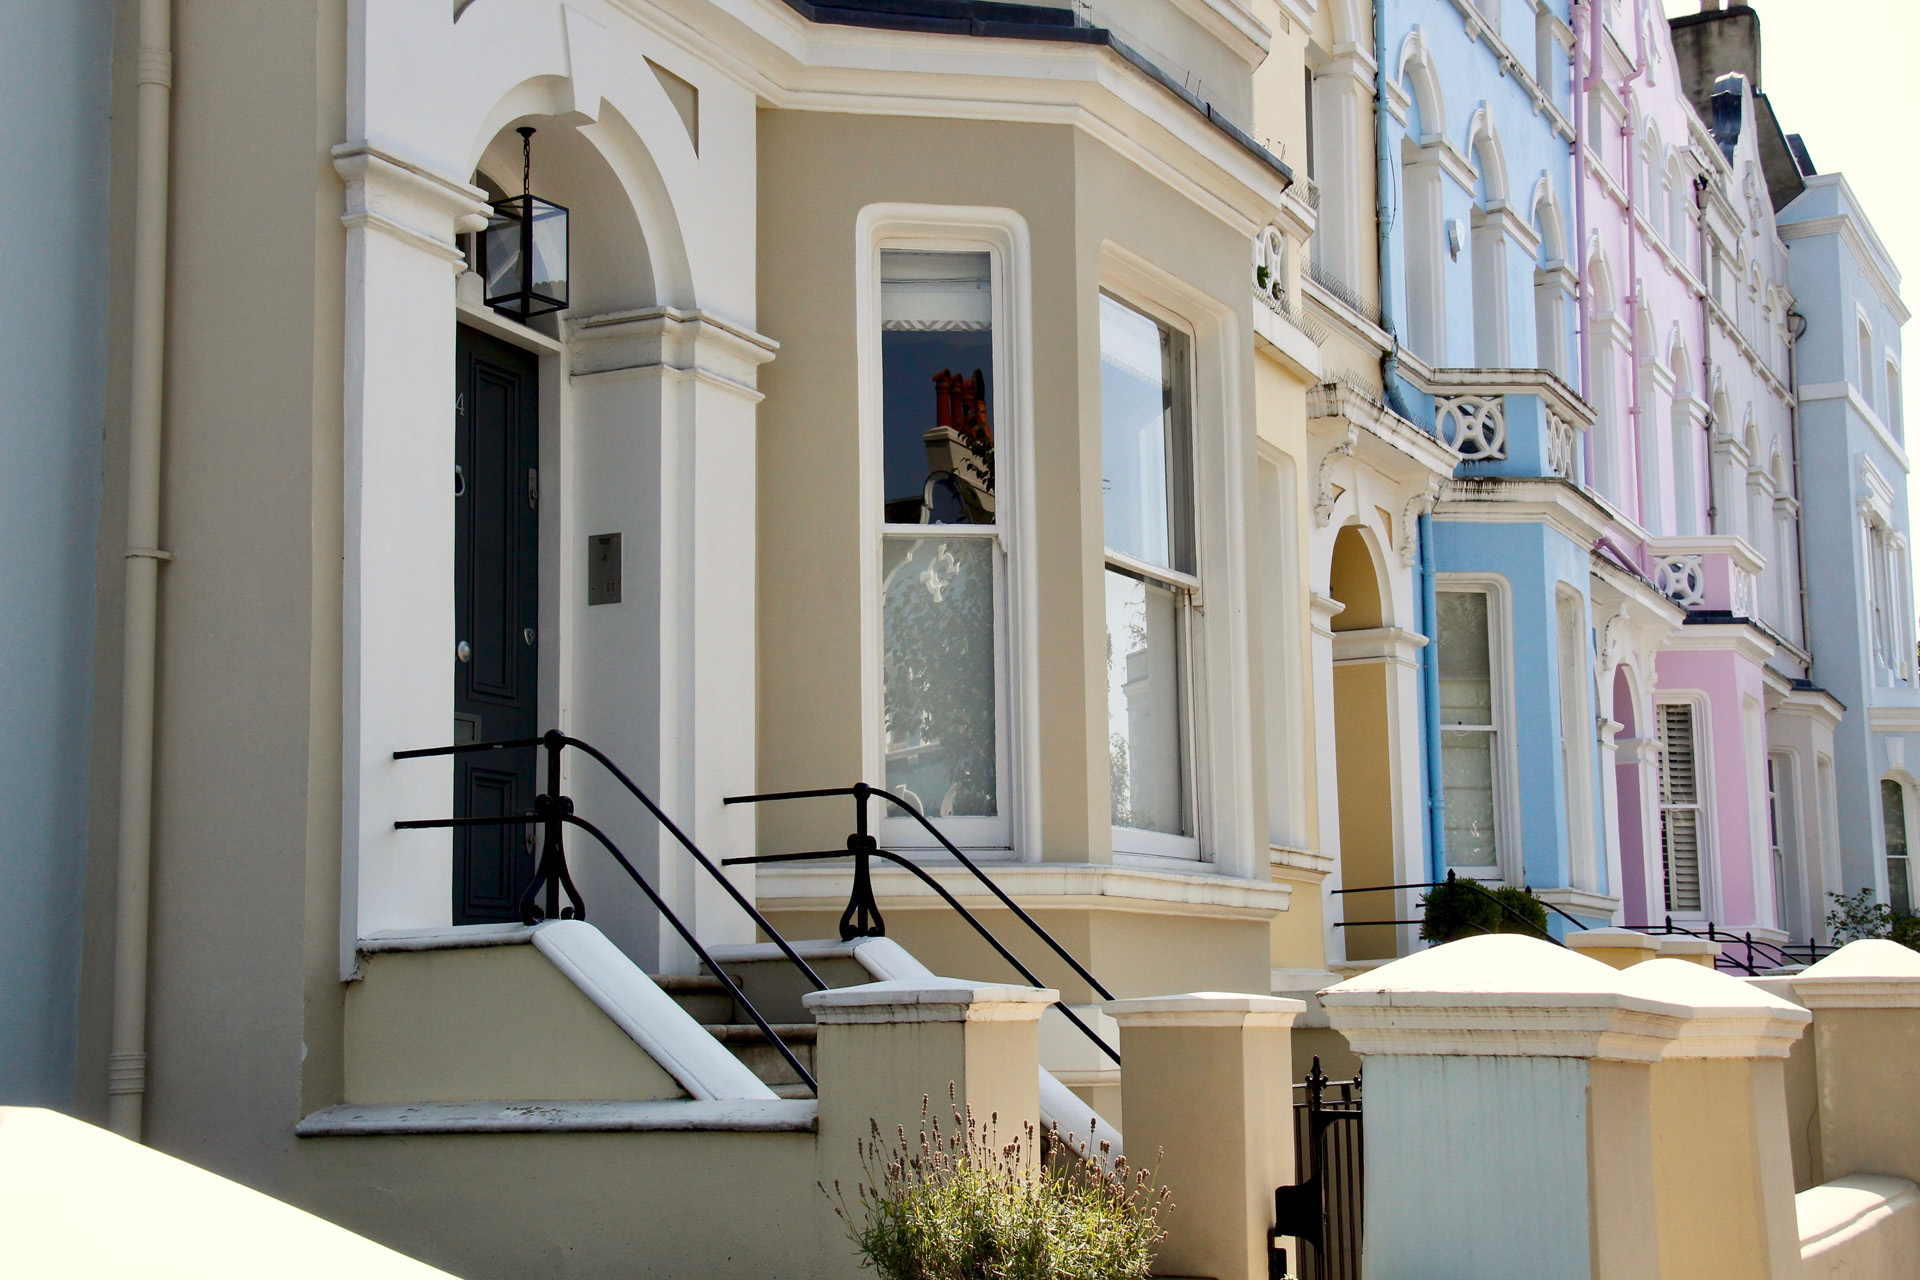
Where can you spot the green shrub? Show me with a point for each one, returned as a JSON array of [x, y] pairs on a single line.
[[1858, 915], [960, 1205], [1463, 909]]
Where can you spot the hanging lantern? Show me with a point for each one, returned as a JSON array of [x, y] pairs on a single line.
[[523, 251]]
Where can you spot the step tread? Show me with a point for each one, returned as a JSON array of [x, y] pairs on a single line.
[[688, 982], [748, 1033]]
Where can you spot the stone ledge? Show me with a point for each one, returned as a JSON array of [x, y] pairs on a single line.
[[824, 886], [774, 1115]]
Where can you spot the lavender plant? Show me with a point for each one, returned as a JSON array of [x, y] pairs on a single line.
[[956, 1203]]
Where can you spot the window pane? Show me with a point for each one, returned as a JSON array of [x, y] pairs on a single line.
[[1143, 438], [1893, 824], [936, 372], [1466, 769], [1143, 705], [1466, 664], [941, 735]]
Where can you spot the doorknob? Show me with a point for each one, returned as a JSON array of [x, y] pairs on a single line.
[[463, 651]]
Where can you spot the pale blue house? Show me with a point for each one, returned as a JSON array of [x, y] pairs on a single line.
[[1476, 229], [1859, 575], [54, 83]]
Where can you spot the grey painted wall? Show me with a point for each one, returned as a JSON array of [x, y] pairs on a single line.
[[53, 223]]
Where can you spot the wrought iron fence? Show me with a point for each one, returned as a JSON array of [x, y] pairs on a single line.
[[1323, 1211]]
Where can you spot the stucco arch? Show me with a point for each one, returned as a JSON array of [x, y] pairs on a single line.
[[1416, 75], [1679, 363], [1343, 22], [1483, 144], [1544, 209], [1600, 280], [522, 58], [1354, 578]]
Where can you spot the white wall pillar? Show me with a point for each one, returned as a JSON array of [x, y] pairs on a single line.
[[1509, 1122], [1865, 1000], [397, 653], [665, 406]]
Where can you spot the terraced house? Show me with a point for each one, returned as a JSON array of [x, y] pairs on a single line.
[[621, 590]]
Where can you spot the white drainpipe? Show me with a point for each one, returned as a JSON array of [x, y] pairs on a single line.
[[127, 1055]]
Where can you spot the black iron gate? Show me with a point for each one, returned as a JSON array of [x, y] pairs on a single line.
[[1323, 1210]]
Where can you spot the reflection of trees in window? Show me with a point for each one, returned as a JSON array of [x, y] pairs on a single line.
[[938, 670]]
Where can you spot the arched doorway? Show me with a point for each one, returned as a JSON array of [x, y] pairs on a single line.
[[1363, 754]]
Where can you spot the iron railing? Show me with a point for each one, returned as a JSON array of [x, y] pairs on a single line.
[[862, 916], [554, 812], [1324, 1209], [1453, 878], [1756, 954]]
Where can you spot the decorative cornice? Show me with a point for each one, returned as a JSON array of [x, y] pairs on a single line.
[[1558, 504]]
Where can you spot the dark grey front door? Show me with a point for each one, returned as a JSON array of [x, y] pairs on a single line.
[[496, 600]]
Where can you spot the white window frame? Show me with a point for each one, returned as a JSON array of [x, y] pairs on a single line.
[[1900, 780], [1577, 741], [1002, 234], [1509, 866], [1703, 786], [1895, 414], [1868, 357], [1220, 720], [1157, 845]]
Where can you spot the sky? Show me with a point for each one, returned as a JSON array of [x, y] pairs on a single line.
[[1837, 73]]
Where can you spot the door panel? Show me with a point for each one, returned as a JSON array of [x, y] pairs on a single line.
[[496, 611]]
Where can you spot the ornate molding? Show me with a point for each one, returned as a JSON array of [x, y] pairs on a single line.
[[1324, 489], [1418, 505]]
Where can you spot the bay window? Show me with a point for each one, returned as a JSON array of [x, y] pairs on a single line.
[[1147, 484]]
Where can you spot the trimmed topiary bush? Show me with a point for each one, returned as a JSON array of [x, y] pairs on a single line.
[[1465, 908], [959, 1205]]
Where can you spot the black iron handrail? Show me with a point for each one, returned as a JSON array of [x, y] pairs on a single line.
[[862, 915], [1482, 889], [554, 811]]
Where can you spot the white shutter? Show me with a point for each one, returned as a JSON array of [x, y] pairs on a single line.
[[1679, 808]]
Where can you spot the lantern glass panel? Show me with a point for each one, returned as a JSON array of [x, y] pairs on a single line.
[[500, 257], [549, 253]]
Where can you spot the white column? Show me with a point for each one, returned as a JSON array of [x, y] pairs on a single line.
[[397, 588], [1326, 776], [1610, 804]]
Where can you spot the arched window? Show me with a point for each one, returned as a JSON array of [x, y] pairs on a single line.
[[1679, 219], [1867, 362], [1550, 285], [1896, 414], [1492, 329], [1602, 383], [1683, 444], [1422, 221]]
